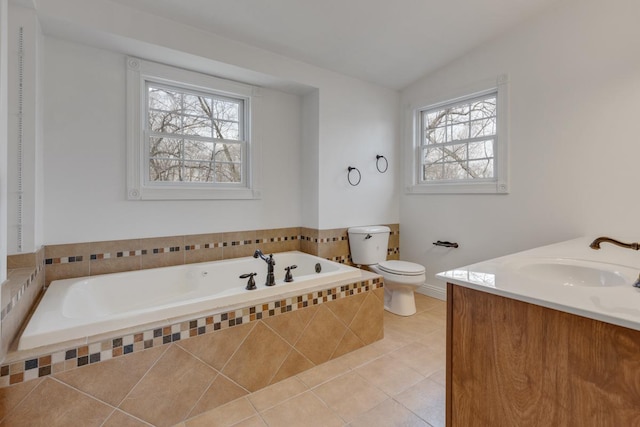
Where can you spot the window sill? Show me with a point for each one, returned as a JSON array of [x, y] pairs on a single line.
[[176, 193], [459, 188]]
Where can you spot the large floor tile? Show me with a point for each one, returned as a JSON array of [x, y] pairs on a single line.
[[303, 410], [427, 400], [49, 405], [350, 395], [224, 416], [389, 414], [389, 375], [324, 372], [277, 393]]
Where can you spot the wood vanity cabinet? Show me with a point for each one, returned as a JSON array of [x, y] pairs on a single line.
[[515, 364]]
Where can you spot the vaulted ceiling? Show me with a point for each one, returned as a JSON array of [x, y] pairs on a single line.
[[391, 43]]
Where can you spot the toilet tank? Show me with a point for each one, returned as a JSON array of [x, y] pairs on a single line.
[[368, 244]]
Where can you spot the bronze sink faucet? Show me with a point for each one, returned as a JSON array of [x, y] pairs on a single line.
[[596, 243]]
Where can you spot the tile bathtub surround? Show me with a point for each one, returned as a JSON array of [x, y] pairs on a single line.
[[25, 282], [348, 390], [353, 312], [88, 259]]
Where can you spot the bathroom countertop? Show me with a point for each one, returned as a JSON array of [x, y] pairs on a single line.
[[567, 276]]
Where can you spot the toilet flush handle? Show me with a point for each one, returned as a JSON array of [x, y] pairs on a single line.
[[368, 236]]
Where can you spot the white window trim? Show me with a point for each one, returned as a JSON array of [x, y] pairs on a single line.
[[499, 184], [138, 188]]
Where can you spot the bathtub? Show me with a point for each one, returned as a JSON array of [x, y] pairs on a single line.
[[80, 308]]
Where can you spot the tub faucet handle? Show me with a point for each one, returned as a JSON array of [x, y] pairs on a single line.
[[288, 277], [251, 284]]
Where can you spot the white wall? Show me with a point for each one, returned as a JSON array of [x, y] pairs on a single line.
[[310, 160], [4, 24], [84, 159], [356, 120], [575, 86], [30, 218], [356, 123]]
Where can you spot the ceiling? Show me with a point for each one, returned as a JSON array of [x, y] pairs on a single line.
[[388, 42]]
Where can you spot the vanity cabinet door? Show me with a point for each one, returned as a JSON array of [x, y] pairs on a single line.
[[511, 363]]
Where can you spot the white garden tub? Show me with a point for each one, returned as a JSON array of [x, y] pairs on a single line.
[[76, 308]]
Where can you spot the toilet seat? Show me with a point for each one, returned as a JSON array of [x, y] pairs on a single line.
[[401, 268]]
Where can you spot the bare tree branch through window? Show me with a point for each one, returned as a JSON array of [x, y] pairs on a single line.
[[194, 137], [458, 141]]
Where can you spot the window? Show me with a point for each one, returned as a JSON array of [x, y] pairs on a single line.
[[189, 135], [460, 145]]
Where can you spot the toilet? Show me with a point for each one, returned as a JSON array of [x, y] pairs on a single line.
[[401, 278]]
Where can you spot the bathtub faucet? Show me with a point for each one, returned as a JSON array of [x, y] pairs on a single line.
[[271, 280]]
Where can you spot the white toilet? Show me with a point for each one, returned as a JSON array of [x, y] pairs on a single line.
[[401, 278]]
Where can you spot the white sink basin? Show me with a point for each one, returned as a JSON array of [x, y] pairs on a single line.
[[568, 272]]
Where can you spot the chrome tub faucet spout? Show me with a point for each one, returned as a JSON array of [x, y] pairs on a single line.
[[271, 280], [596, 243]]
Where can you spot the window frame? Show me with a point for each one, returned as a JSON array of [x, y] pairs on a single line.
[[140, 73], [499, 184]]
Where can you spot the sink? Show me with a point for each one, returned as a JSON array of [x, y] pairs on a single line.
[[568, 272]]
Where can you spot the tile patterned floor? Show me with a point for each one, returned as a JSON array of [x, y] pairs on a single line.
[[398, 381]]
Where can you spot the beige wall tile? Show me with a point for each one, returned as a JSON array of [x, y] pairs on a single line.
[[221, 391], [115, 264], [264, 237], [112, 380], [66, 271], [166, 259], [170, 389], [21, 260], [236, 246], [67, 250], [217, 348], [345, 309], [321, 337], [368, 322], [294, 364], [289, 325], [347, 344], [263, 365], [114, 246], [203, 254]]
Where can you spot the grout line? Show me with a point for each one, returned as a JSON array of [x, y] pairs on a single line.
[[144, 375], [241, 342], [21, 401]]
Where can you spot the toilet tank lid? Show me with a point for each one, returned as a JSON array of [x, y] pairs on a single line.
[[370, 229]]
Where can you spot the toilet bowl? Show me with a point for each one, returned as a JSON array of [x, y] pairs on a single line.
[[401, 280], [368, 247]]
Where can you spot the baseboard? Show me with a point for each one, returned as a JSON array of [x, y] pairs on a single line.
[[433, 291]]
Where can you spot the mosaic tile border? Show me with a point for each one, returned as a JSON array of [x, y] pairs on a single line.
[[64, 360], [124, 252], [139, 252], [39, 269]]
